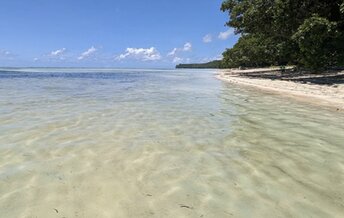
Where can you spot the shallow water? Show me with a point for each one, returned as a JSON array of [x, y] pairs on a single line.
[[169, 143]]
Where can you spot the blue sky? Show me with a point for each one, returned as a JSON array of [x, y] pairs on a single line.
[[111, 33]]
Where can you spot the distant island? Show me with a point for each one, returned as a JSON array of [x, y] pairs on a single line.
[[209, 65]]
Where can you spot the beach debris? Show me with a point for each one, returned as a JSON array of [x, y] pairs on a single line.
[[186, 206], [211, 114], [149, 195], [56, 210]]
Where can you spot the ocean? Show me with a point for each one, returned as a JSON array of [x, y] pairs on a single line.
[[162, 143]]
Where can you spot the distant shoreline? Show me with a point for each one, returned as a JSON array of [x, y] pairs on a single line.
[[216, 64], [320, 89]]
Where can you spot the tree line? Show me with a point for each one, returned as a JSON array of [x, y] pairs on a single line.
[[209, 65], [306, 33]]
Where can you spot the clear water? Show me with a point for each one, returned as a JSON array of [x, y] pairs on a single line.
[[169, 143]]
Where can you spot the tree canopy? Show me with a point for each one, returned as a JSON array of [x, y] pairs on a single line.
[[308, 33]]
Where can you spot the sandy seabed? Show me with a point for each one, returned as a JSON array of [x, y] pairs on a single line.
[[174, 143]]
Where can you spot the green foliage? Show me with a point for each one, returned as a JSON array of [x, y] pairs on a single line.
[[318, 40], [213, 64], [250, 51], [308, 32], [255, 50]]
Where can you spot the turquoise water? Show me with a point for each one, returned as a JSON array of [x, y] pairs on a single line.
[[162, 143]]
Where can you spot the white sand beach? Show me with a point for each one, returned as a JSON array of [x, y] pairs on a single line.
[[330, 95]]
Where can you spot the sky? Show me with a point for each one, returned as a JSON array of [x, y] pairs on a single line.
[[112, 33]]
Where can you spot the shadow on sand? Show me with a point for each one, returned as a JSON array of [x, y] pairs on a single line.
[[324, 78]]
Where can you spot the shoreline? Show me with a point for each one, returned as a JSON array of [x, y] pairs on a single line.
[[331, 96]]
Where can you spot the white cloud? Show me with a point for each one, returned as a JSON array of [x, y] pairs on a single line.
[[6, 54], [36, 59], [225, 35], [87, 53], [208, 59], [204, 60], [177, 60], [173, 52], [207, 38], [144, 54], [58, 52], [187, 46]]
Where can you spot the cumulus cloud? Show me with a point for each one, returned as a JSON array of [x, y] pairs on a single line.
[[173, 52], [88, 53], [58, 52], [177, 60], [144, 54], [225, 35], [187, 46], [207, 38]]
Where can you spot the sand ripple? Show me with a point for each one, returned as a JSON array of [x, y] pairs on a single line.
[[174, 144]]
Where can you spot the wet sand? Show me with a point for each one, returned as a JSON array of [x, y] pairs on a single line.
[[326, 89]]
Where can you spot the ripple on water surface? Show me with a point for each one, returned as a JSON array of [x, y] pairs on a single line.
[[132, 143]]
